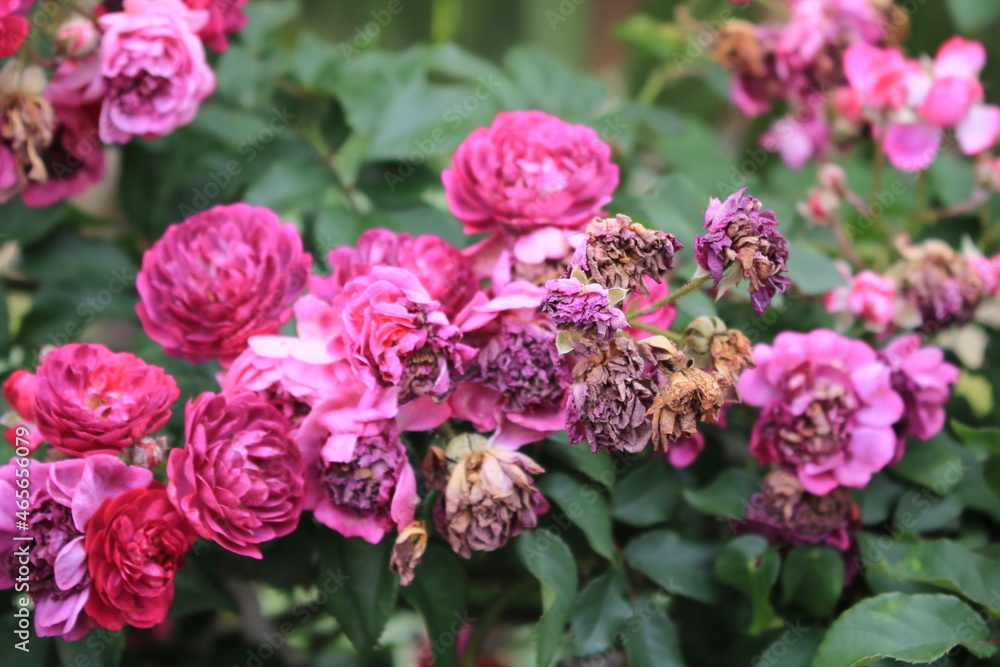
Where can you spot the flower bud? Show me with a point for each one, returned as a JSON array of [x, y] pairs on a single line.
[[77, 37], [148, 452], [698, 335], [407, 551]]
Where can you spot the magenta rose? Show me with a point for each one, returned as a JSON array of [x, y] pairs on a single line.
[[90, 400], [154, 67], [219, 278], [358, 479], [60, 498], [239, 477], [224, 18], [396, 333], [828, 409], [529, 170]]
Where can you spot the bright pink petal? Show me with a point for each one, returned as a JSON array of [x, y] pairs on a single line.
[[913, 146]]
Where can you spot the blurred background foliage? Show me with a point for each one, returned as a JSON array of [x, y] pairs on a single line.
[[341, 119]]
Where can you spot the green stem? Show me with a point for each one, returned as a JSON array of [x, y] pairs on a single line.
[[677, 338], [446, 15], [877, 173], [682, 291], [489, 619]]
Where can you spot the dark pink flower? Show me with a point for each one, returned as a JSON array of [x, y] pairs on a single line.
[[529, 170], [239, 477], [154, 67], [662, 317], [358, 479], [922, 377], [61, 499], [14, 29], [90, 400], [222, 276], [394, 332], [19, 391], [224, 18], [828, 409], [869, 297]]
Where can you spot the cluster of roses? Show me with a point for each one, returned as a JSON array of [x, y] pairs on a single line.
[[131, 69], [839, 62], [542, 326]]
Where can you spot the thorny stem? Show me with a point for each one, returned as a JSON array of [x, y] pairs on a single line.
[[677, 338], [489, 619], [683, 290]]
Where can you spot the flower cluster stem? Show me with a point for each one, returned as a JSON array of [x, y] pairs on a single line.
[[682, 291]]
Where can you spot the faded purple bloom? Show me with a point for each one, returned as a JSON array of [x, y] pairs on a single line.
[[585, 308], [784, 511], [923, 378], [609, 398], [741, 236], [937, 283], [621, 253], [522, 363]]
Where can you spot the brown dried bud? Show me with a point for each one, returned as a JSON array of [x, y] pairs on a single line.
[[27, 120], [621, 253], [698, 336], [800, 517], [729, 353], [738, 48], [690, 396], [434, 469], [406, 553], [491, 497]]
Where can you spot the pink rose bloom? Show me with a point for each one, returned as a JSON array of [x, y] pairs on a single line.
[[869, 297], [91, 400], [988, 269], [442, 269], [662, 318], [77, 82], [224, 18], [222, 276], [13, 28], [292, 374], [358, 479], [396, 333], [154, 67], [797, 140], [535, 257], [879, 76], [62, 497], [529, 170], [685, 451], [74, 161], [19, 391], [828, 409], [923, 378], [239, 477]]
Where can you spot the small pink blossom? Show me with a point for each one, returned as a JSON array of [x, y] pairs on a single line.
[[869, 297]]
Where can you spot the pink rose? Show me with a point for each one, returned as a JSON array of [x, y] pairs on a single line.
[[869, 297], [828, 409], [19, 391], [396, 333], [13, 28], [219, 278], [224, 18], [90, 400], [62, 497], [239, 477], [154, 67], [358, 479], [662, 317], [529, 170]]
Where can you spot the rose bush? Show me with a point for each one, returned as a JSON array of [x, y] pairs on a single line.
[[317, 351]]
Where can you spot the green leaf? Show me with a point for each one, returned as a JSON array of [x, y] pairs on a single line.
[[677, 207], [951, 566], [551, 85], [812, 271], [647, 495], [550, 561], [935, 464], [911, 628], [951, 177], [795, 647], [751, 567], [595, 465], [26, 225], [876, 499], [812, 578], [367, 594], [195, 591], [986, 437], [650, 637], [601, 610], [287, 186], [99, 648], [439, 592], [973, 15], [726, 496], [679, 565], [585, 505]]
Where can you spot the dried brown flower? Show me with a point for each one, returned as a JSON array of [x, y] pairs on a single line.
[[620, 253], [690, 396], [408, 550]]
